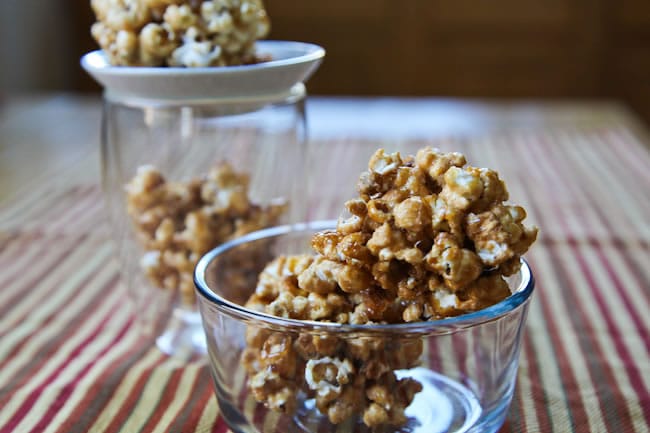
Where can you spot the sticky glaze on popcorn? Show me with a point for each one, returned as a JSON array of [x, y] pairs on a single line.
[[190, 33], [428, 237]]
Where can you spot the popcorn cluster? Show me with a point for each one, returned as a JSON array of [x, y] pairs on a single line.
[[190, 33], [178, 222], [345, 376], [427, 238]]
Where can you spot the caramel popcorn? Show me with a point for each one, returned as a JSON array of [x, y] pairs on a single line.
[[429, 237], [190, 33], [345, 376], [177, 222]]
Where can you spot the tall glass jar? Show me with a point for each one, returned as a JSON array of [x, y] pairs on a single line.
[[181, 177]]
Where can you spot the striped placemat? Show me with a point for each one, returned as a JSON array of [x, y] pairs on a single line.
[[72, 361]]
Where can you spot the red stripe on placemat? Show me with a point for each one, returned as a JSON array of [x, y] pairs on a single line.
[[540, 400], [36, 202], [95, 218], [636, 156], [163, 402], [135, 395], [92, 303], [19, 249], [578, 414], [461, 353], [29, 369], [33, 279], [106, 384], [636, 380], [69, 388], [433, 358], [557, 178], [113, 381], [220, 426], [568, 276], [629, 258], [204, 392], [505, 428], [538, 396], [77, 213], [623, 185], [630, 306], [624, 296], [54, 208], [11, 239], [613, 242], [27, 404]]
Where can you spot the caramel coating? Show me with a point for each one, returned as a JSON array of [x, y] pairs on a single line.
[[428, 237], [345, 376], [177, 222], [191, 33]]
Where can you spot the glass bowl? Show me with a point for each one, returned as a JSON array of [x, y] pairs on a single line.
[[466, 365]]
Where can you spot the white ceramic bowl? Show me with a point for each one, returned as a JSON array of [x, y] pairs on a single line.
[[292, 63]]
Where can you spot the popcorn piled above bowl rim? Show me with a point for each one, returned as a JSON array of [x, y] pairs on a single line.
[[387, 243], [427, 239]]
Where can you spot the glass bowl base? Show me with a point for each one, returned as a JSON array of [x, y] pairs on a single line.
[[443, 405], [183, 337]]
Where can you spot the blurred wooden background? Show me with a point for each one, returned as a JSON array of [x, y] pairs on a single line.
[[466, 48]]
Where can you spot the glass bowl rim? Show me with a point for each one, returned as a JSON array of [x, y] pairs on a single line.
[[518, 298]]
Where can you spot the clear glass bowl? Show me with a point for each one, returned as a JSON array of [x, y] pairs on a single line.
[[466, 365], [263, 137]]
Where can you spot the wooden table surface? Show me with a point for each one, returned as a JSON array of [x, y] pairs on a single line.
[[581, 169]]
